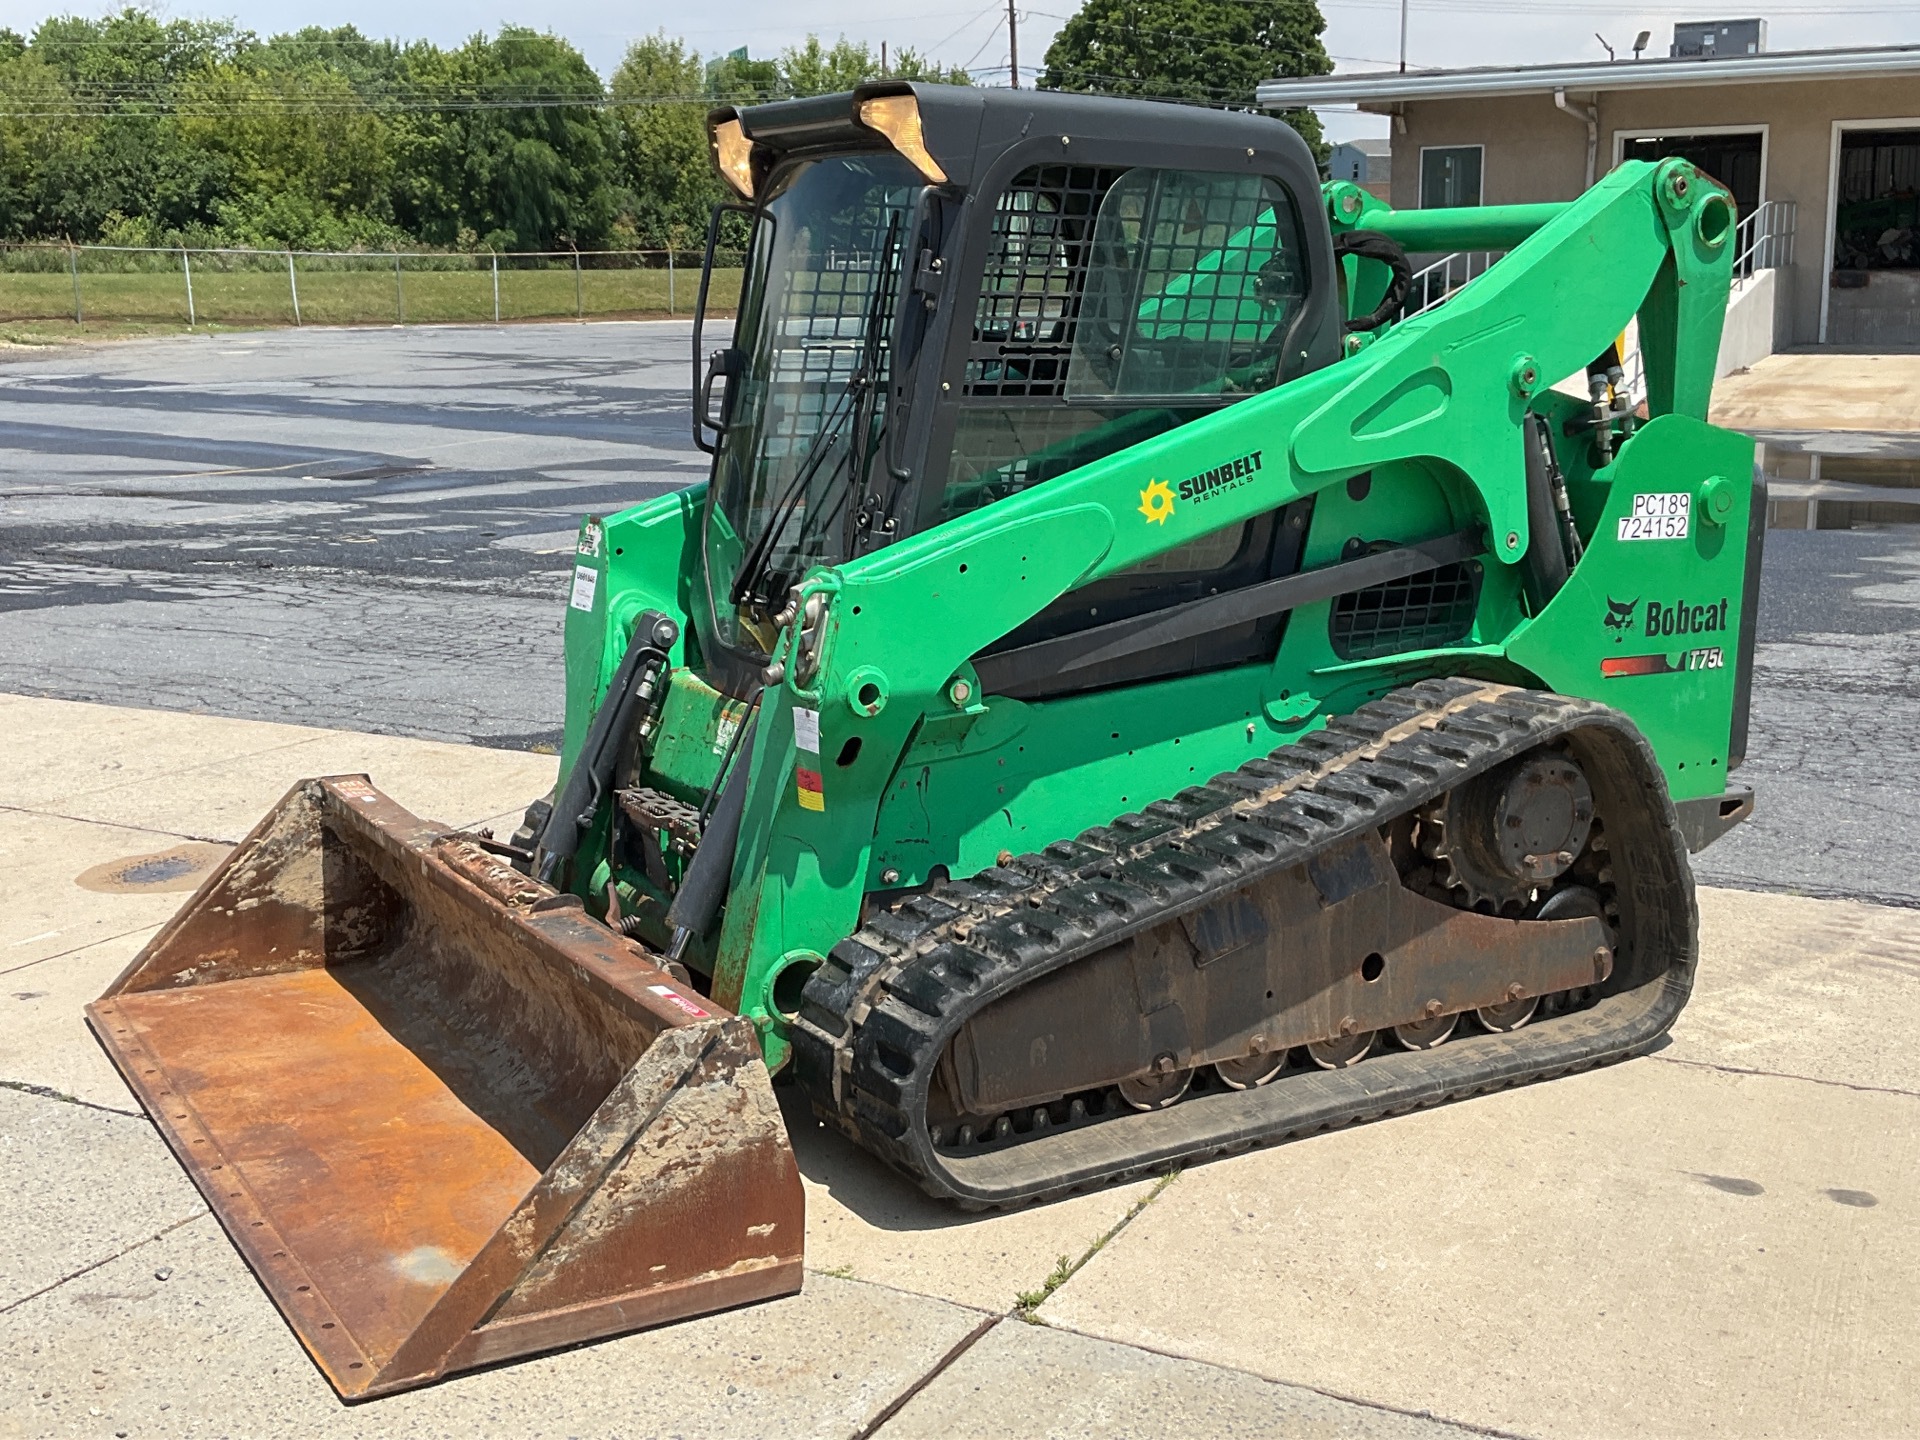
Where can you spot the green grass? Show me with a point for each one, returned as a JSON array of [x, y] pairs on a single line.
[[53, 333], [349, 297]]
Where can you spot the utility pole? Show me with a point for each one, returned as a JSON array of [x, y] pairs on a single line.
[[1013, 47], [1403, 37], [883, 59]]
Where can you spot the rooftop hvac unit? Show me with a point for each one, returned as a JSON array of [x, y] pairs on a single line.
[[1712, 39]]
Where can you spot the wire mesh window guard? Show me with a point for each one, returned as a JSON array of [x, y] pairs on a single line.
[[1433, 608], [1117, 304]]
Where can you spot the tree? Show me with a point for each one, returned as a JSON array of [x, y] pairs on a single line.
[[305, 162], [816, 69], [662, 143], [39, 145], [131, 158], [532, 175], [144, 131], [736, 78], [1210, 52], [909, 64]]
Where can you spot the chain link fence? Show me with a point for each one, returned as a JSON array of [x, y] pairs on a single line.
[[101, 283]]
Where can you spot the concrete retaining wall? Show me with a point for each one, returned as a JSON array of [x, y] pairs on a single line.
[[1755, 315]]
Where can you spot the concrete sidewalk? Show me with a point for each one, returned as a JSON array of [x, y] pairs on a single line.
[[1822, 390], [1718, 1239]]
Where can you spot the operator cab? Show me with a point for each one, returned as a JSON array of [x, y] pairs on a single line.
[[950, 295]]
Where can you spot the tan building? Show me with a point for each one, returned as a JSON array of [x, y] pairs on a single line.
[[1830, 137]]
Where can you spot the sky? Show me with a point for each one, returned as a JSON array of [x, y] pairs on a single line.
[[1361, 34]]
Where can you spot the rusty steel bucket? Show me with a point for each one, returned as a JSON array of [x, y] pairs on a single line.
[[447, 1117]]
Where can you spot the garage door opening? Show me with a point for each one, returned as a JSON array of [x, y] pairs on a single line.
[[1875, 285]]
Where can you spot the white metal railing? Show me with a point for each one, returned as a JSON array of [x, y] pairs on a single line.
[[1764, 240], [1443, 277]]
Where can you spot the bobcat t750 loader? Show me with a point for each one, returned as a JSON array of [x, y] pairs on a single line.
[[1139, 683]]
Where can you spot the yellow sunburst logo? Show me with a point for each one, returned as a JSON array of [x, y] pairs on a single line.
[[1156, 502]]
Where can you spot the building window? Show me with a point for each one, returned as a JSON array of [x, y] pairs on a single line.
[[1450, 176]]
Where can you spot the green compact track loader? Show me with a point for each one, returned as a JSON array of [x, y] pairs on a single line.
[[1149, 675]]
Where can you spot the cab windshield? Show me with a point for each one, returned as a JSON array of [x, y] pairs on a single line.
[[804, 414]]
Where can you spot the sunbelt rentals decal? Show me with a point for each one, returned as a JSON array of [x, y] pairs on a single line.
[[1157, 500]]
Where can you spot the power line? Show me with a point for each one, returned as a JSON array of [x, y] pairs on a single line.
[[983, 46]]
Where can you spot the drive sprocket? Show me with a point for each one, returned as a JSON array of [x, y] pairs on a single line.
[[1502, 837]]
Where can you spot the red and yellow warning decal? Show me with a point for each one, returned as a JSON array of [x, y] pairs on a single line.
[[809, 788]]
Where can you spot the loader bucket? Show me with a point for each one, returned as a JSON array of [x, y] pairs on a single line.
[[446, 1116]]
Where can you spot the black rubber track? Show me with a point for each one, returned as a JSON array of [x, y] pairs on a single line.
[[878, 1015]]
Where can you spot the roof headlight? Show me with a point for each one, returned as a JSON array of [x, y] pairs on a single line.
[[733, 156], [898, 118]]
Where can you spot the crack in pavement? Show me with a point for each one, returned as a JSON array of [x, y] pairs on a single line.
[[1022, 1308], [1030, 1301], [899, 1402], [1785, 1075], [120, 824], [47, 1092], [62, 954], [1468, 1426], [161, 1234]]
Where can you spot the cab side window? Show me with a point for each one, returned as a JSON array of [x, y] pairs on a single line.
[[1117, 304]]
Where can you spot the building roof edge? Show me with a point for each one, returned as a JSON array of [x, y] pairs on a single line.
[[1588, 77]]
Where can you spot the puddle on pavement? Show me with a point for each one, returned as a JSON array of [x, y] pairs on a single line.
[[181, 868], [1820, 489]]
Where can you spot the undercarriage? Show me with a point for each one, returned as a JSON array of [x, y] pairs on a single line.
[[1459, 887]]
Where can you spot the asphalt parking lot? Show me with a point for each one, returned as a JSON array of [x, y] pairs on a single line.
[[368, 530], [353, 528]]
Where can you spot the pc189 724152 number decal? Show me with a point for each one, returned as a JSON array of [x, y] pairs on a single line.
[[1658, 517]]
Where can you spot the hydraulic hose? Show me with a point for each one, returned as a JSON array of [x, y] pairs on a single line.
[[1372, 245], [1546, 565], [636, 682]]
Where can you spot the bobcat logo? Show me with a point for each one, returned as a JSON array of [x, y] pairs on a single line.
[[1620, 614]]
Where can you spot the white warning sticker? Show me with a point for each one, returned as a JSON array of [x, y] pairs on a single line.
[[585, 581], [806, 729], [1658, 517]]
